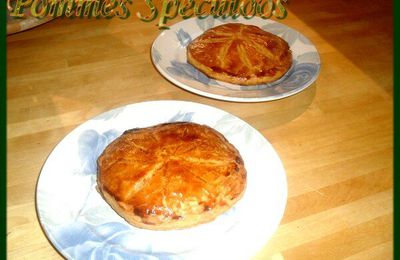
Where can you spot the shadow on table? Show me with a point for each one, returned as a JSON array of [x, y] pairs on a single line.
[[360, 30], [279, 112], [261, 115]]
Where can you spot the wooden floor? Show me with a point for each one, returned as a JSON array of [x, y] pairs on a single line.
[[335, 138]]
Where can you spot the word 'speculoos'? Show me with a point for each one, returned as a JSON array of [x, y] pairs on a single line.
[[216, 8]]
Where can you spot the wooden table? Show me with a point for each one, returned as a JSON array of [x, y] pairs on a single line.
[[334, 138]]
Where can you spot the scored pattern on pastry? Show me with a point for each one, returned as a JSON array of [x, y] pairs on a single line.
[[240, 54], [172, 175]]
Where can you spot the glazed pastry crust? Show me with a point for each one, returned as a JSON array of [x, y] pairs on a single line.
[[171, 176], [240, 54]]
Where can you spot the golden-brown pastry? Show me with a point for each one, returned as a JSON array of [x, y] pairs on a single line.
[[171, 176], [240, 54]]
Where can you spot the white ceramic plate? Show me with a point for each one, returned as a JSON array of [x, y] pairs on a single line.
[[16, 24], [169, 57], [81, 225]]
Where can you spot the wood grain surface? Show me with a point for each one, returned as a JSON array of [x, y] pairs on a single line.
[[335, 138]]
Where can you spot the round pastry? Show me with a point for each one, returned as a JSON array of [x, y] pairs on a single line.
[[240, 54], [171, 176]]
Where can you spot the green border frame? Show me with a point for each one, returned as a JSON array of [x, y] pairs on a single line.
[[396, 111], [3, 120]]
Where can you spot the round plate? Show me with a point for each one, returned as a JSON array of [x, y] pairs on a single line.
[[15, 24], [169, 57], [81, 225]]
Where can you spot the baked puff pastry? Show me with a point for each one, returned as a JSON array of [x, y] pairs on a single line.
[[171, 176], [240, 54]]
